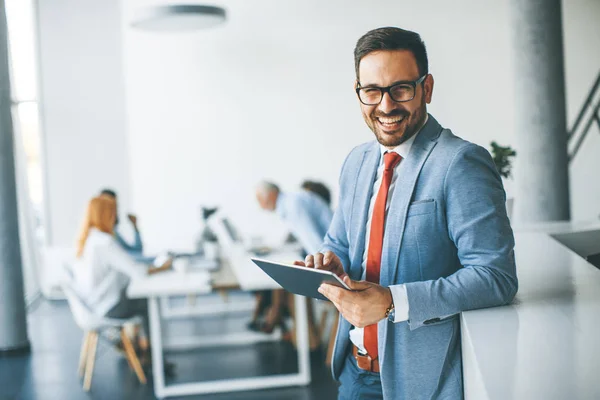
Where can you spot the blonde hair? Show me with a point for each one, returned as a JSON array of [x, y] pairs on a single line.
[[100, 214]]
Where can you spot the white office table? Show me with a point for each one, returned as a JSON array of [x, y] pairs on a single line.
[[546, 345], [173, 283]]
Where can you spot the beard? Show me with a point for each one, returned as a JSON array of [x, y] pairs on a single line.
[[405, 129]]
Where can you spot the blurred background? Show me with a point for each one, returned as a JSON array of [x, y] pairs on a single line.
[[197, 118], [177, 121]]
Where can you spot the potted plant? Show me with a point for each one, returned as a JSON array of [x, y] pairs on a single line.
[[503, 159]]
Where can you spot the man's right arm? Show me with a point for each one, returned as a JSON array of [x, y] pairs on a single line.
[[336, 238]]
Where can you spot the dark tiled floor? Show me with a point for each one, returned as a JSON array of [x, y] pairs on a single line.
[[49, 372]]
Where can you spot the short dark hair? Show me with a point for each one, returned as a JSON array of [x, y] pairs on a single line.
[[109, 192], [391, 38], [319, 189]]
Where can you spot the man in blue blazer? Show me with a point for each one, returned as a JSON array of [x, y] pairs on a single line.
[[420, 233]]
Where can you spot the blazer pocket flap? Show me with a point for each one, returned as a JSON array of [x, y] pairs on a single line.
[[421, 207], [438, 321]]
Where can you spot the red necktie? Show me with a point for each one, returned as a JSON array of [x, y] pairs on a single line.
[[390, 160]]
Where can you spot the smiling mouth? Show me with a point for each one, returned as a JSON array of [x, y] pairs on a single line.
[[390, 122]]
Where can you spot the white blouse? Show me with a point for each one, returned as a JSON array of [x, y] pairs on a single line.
[[104, 271]]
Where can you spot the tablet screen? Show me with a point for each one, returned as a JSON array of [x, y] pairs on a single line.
[[299, 280]]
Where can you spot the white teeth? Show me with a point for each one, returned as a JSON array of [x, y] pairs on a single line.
[[390, 120]]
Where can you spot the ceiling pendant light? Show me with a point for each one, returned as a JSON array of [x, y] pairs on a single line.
[[178, 18]]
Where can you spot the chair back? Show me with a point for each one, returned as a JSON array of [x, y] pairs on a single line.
[[54, 260], [83, 315]]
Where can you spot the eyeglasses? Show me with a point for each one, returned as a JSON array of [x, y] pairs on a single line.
[[400, 92]]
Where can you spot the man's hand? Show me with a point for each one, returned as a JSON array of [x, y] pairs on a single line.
[[365, 305], [328, 261], [133, 220]]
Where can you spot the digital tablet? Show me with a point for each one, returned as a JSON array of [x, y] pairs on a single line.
[[299, 280]]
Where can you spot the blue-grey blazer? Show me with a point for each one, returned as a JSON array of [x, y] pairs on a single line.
[[447, 238]]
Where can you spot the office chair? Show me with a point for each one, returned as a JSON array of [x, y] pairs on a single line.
[[92, 324]]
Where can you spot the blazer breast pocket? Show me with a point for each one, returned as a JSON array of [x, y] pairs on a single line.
[[421, 207]]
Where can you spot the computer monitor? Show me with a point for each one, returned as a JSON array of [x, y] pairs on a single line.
[[233, 233]]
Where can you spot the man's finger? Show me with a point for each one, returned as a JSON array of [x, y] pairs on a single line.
[[332, 292], [327, 257], [326, 294], [344, 312], [309, 261], [300, 263], [356, 285], [319, 261], [336, 304]]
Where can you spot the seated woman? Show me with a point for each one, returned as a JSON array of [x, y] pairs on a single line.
[[104, 268]]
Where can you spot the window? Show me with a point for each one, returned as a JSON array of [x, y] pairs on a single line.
[[25, 111]]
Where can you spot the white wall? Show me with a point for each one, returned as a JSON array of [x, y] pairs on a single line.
[[210, 113], [83, 108], [272, 92]]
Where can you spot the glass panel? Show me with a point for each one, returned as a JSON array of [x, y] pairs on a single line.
[[28, 175], [29, 127], [28, 167], [21, 46]]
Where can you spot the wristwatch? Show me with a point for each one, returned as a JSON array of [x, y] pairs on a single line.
[[390, 313]]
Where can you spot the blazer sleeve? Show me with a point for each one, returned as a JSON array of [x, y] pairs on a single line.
[[336, 238], [479, 227]]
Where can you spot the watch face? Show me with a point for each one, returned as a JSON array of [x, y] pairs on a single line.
[[392, 315]]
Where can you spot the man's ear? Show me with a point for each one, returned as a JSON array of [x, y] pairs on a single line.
[[428, 88]]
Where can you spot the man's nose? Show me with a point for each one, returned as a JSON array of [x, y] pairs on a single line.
[[387, 104]]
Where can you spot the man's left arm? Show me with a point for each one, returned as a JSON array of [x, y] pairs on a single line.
[[479, 227]]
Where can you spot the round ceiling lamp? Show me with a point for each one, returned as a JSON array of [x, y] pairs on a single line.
[[179, 18]]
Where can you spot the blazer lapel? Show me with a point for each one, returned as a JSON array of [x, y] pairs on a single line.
[[403, 190], [363, 191]]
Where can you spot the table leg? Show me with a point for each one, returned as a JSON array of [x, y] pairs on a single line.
[[157, 351], [302, 344]]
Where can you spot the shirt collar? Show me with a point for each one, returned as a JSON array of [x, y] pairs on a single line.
[[404, 148]]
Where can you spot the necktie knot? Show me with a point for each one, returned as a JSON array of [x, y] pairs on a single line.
[[391, 159]]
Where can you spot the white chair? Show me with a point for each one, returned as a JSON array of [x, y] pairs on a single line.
[[92, 324], [55, 260]]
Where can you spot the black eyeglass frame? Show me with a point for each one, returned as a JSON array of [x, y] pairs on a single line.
[[387, 89]]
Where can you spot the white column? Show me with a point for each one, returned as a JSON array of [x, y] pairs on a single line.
[[13, 322], [541, 173]]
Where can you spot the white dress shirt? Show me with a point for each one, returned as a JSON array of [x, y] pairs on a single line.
[[104, 271], [399, 296]]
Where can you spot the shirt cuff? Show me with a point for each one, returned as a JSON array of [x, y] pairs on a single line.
[[400, 299]]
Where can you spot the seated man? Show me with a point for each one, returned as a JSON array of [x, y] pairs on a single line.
[[305, 213], [307, 216], [136, 249]]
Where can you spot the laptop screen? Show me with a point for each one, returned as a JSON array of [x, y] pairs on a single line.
[[231, 231]]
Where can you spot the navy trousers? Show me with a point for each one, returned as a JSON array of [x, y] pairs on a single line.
[[358, 384]]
